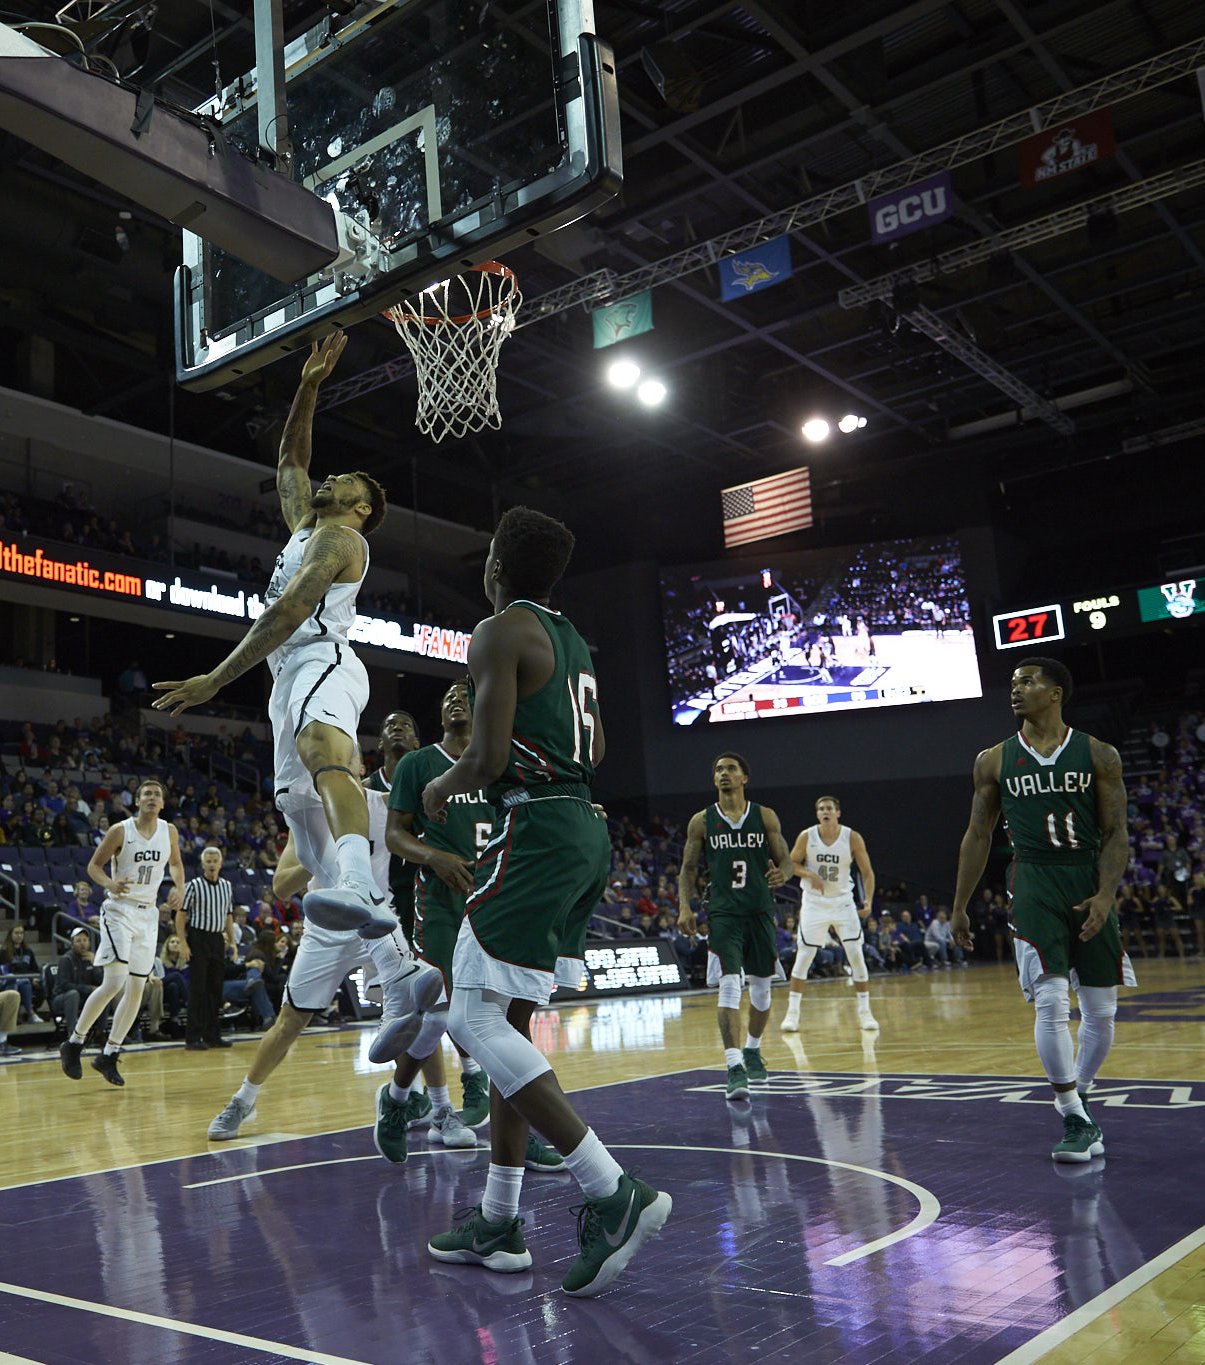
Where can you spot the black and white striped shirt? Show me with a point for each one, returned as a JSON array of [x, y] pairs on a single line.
[[208, 903]]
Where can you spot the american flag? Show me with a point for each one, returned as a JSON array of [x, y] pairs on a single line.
[[767, 507]]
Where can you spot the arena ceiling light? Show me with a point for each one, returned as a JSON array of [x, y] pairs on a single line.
[[850, 422], [816, 429], [652, 393], [622, 374]]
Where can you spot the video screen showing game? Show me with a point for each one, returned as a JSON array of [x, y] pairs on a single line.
[[819, 631]]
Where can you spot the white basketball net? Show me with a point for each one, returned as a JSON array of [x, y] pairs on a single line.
[[454, 331]]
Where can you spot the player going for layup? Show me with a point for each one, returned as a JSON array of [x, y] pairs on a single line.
[[537, 738], [747, 857], [822, 859], [1064, 801], [140, 852], [319, 686]]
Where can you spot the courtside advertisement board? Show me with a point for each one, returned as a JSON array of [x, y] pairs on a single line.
[[819, 631]]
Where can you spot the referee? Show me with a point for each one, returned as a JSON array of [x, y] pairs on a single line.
[[208, 911]]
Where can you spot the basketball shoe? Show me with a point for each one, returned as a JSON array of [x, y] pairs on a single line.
[[351, 904], [447, 1128], [230, 1120], [1081, 1140], [496, 1246], [755, 1066], [404, 999], [541, 1158], [475, 1111], [69, 1059], [738, 1084], [611, 1231], [106, 1064], [389, 1131]]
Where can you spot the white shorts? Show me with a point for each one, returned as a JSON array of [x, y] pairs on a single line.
[[323, 681], [1029, 968], [475, 969], [324, 958], [129, 934], [842, 914]]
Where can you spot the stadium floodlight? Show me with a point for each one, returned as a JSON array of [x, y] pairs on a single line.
[[651, 392], [815, 429], [850, 422], [861, 423], [622, 374]]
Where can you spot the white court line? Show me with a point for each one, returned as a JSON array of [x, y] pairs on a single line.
[[930, 1207], [1088, 1313], [192, 1329]]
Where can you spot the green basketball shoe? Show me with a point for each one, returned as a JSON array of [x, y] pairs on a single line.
[[389, 1131], [611, 1231], [496, 1246], [738, 1084], [755, 1067], [1081, 1140], [476, 1108], [418, 1108], [541, 1158]]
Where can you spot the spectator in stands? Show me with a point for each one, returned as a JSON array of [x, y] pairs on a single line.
[[52, 800], [81, 907], [922, 911], [19, 968], [1196, 908], [75, 979], [911, 938], [1175, 863], [62, 835], [175, 976], [870, 945], [96, 838], [627, 923], [939, 941], [888, 945], [38, 832], [1131, 916], [1164, 909], [786, 942], [244, 934]]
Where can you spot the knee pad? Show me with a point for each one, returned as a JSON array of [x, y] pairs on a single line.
[[1097, 1002], [857, 960], [477, 1022], [1052, 999], [730, 991], [804, 957], [759, 992]]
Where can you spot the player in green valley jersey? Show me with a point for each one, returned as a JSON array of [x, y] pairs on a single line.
[[537, 739], [444, 854], [747, 857], [1062, 796], [399, 736]]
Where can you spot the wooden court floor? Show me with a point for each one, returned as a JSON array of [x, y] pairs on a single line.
[[956, 1033]]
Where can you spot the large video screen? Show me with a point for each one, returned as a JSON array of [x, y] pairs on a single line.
[[819, 631]]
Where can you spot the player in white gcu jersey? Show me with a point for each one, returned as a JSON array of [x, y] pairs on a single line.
[[129, 863], [823, 859], [319, 686]]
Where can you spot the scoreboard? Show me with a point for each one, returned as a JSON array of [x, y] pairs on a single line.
[[1112, 613]]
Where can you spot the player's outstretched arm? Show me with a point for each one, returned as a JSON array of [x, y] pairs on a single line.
[[976, 842], [293, 468], [494, 656], [329, 551], [857, 846], [1115, 841], [692, 850], [108, 848], [779, 872]]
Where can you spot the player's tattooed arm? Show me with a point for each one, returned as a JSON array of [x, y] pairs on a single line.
[[857, 846], [687, 872], [779, 872], [329, 551], [293, 468], [1114, 844], [977, 841]]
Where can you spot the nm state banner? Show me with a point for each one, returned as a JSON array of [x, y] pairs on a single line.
[[1067, 147], [758, 268]]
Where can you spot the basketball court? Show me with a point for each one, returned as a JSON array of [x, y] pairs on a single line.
[[877, 1200]]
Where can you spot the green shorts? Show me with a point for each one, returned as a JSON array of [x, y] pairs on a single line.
[[745, 943], [538, 881], [438, 911], [1041, 917]]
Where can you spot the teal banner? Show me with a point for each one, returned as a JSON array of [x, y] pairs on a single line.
[[619, 321]]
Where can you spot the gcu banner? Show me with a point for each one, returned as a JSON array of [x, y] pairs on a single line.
[[912, 208]]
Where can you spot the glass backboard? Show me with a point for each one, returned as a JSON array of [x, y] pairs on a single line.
[[451, 131]]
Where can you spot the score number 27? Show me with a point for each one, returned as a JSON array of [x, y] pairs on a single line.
[[1017, 628]]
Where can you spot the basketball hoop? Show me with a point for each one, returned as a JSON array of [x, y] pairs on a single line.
[[454, 331]]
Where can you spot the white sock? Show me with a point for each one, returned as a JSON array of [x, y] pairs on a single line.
[[399, 1094], [438, 1095], [111, 1049], [593, 1167], [247, 1092], [76, 1039], [468, 1066], [500, 1203], [390, 955], [751, 1041], [863, 999], [732, 1056], [793, 1002], [1068, 1102], [352, 852]]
